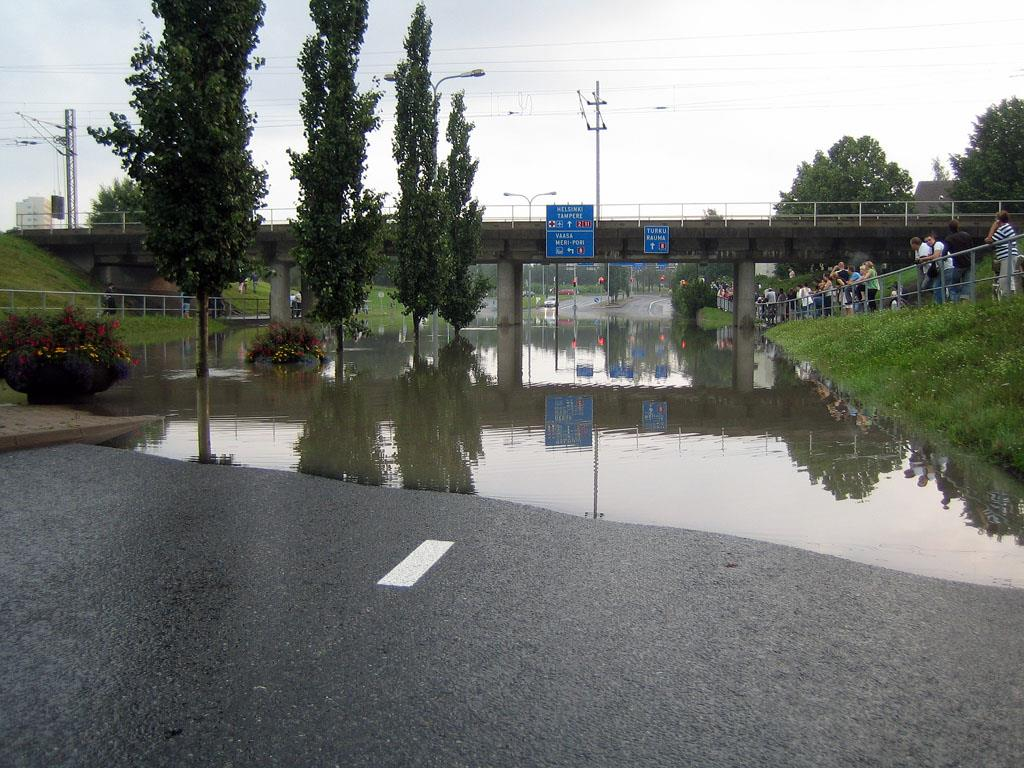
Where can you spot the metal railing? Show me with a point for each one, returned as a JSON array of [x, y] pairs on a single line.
[[909, 286], [15, 301], [860, 213]]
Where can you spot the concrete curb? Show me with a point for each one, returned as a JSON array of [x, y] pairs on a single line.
[[35, 426]]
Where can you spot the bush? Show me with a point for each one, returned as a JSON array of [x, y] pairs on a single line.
[[689, 298], [282, 343]]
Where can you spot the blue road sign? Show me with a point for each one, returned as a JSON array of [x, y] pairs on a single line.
[[570, 232], [570, 245], [656, 240], [585, 371], [563, 218], [655, 416], [568, 421]]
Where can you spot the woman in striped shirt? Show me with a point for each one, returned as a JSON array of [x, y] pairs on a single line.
[[1003, 235]]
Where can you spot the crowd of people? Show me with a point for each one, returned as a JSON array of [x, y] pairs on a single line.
[[945, 272]]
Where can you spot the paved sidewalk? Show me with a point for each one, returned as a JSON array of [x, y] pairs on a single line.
[[35, 426]]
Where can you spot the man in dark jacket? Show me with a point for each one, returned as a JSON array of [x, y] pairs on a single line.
[[957, 241]]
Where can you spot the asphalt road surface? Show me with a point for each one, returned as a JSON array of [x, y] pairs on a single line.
[[158, 613]]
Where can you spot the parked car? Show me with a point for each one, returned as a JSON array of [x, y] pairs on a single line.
[[550, 302]]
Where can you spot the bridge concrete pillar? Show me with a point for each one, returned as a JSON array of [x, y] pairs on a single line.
[[743, 294], [280, 310], [510, 293]]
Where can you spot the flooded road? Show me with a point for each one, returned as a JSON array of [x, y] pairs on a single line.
[[609, 418]]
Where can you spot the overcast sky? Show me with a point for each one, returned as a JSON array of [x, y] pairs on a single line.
[[707, 103]]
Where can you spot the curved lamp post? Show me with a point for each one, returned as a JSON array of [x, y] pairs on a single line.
[[390, 77], [529, 200]]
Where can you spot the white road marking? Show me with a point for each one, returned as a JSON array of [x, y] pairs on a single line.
[[419, 561]]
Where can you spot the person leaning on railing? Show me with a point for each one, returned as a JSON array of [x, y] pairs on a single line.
[[869, 276], [1003, 236]]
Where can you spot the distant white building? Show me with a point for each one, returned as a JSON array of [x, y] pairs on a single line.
[[37, 212]]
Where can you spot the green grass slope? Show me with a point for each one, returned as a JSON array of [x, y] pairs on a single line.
[[955, 370], [24, 266]]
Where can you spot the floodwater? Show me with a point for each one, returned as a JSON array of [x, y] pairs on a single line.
[[633, 420]]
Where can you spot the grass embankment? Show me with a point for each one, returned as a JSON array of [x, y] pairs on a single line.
[[24, 266], [956, 371], [712, 318]]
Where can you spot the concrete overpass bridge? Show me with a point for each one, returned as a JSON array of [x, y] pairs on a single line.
[[118, 253]]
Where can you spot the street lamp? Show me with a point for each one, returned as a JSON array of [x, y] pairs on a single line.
[[529, 200], [391, 77]]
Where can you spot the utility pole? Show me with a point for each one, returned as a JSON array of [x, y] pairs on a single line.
[[66, 146], [597, 127], [71, 164]]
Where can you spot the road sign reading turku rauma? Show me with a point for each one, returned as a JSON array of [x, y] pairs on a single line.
[[570, 231], [656, 240]]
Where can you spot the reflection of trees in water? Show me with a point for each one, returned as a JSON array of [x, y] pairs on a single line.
[[993, 502], [704, 357], [851, 468], [437, 421], [342, 437]]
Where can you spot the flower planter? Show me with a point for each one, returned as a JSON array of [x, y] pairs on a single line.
[[59, 383]]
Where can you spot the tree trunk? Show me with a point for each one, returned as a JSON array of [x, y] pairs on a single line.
[[416, 320], [339, 335], [203, 342]]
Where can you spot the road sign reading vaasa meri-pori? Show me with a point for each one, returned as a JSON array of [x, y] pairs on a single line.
[[656, 240], [570, 231]]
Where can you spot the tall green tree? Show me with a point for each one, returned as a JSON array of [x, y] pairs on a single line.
[[992, 167], [419, 228], [121, 202], [853, 170], [189, 149], [463, 293], [338, 222]]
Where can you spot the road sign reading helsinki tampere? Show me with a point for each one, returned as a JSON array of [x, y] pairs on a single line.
[[656, 240], [570, 231]]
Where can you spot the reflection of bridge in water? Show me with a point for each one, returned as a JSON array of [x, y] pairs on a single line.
[[388, 420]]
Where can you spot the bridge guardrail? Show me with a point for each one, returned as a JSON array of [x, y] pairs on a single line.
[[809, 213], [130, 304]]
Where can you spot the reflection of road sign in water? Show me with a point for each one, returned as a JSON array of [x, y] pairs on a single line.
[[570, 231], [656, 239], [585, 371], [620, 372], [661, 371], [568, 421], [655, 416]]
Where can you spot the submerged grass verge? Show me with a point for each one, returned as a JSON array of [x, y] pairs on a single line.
[[954, 370]]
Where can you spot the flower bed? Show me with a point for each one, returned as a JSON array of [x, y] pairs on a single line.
[[282, 344], [63, 357]]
